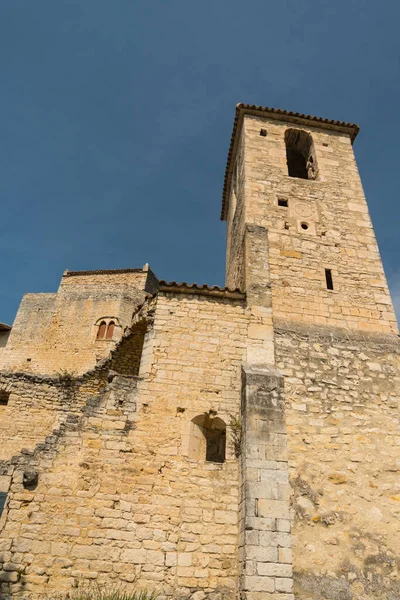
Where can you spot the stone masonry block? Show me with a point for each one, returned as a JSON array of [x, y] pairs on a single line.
[[274, 570], [284, 584], [278, 509], [258, 584], [285, 555], [261, 524], [260, 554], [271, 538]]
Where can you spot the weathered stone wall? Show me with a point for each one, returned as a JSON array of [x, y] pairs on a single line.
[[265, 555], [342, 409], [117, 497], [38, 404], [53, 333]]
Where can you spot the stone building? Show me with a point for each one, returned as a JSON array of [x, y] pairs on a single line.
[[210, 442]]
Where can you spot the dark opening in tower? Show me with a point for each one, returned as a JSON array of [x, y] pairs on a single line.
[[300, 154]]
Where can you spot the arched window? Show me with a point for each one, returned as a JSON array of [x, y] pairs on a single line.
[[300, 154], [207, 439], [110, 330], [101, 332]]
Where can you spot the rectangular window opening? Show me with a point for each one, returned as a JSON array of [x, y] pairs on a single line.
[[4, 396], [283, 202], [329, 280], [3, 497]]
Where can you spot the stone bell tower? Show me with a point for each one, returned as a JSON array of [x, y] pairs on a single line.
[[301, 245], [300, 239]]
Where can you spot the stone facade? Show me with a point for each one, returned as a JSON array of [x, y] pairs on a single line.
[[53, 333], [215, 443]]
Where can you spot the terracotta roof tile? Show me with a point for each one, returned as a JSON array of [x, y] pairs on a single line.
[[4, 327], [194, 288], [275, 113]]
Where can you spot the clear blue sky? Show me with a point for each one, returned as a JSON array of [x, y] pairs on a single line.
[[116, 115]]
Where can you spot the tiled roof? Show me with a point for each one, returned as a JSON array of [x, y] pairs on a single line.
[[4, 327], [274, 113], [207, 290]]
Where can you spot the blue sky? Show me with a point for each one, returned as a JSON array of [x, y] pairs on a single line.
[[115, 120]]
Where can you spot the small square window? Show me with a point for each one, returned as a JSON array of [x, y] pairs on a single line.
[[263, 132], [283, 202]]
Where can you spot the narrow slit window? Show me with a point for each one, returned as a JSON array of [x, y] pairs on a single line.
[[283, 202], [3, 498], [329, 280]]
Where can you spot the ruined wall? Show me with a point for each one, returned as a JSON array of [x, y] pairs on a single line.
[[118, 498], [342, 411], [53, 333], [37, 404]]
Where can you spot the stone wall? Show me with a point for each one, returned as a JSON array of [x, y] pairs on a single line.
[[265, 555], [54, 333], [117, 497], [342, 410], [37, 404]]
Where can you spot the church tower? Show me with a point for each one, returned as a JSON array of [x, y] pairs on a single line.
[[320, 380], [300, 239]]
